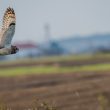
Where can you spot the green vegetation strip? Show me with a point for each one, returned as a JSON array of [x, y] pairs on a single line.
[[57, 59], [52, 69]]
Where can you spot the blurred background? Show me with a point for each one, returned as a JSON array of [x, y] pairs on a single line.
[[65, 46], [60, 27]]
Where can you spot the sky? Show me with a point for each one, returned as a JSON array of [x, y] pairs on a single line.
[[65, 18]]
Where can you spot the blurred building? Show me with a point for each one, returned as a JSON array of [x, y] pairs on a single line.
[[51, 49], [28, 50]]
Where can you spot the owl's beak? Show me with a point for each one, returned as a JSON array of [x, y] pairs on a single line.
[[17, 50]]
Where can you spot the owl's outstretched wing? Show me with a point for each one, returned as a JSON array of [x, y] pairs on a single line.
[[8, 28]]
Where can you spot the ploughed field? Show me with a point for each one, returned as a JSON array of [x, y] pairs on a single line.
[[80, 90]]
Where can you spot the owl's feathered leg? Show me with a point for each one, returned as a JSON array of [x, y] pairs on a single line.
[[5, 51]]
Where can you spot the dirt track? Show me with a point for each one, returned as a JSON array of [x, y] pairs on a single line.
[[73, 91]]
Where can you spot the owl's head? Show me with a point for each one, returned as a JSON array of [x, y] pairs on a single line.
[[14, 49]]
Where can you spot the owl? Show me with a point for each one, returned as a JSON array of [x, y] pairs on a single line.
[[7, 32]]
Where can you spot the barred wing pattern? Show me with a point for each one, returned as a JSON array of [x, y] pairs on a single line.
[[8, 28]]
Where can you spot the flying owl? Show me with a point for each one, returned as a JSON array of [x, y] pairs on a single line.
[[7, 32]]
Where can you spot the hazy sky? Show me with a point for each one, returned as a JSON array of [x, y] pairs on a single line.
[[65, 17]]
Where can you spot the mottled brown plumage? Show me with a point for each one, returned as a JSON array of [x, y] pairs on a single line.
[[9, 17], [7, 32]]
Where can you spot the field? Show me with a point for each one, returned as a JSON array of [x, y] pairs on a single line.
[[68, 83]]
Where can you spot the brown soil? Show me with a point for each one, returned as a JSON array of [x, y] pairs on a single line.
[[70, 91]]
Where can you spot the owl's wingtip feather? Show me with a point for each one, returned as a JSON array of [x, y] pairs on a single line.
[[9, 9], [9, 17]]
